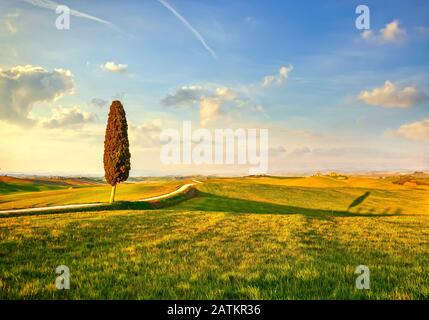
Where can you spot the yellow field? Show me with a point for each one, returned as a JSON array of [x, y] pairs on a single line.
[[87, 194], [237, 238]]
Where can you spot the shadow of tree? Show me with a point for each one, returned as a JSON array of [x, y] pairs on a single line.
[[359, 200], [210, 202], [202, 201]]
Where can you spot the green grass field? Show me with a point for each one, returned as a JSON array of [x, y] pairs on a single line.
[[60, 195], [247, 238]]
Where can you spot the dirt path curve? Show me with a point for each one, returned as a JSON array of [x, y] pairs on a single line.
[[173, 193], [89, 205]]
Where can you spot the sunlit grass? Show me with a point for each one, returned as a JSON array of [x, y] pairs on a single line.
[[88, 194], [292, 195], [237, 239]]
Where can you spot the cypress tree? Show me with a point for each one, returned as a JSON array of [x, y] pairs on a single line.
[[116, 148]]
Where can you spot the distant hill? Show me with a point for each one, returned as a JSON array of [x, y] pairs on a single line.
[[9, 184], [414, 179]]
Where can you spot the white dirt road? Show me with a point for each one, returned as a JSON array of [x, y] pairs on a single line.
[[182, 189]]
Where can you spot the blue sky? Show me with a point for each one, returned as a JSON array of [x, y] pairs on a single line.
[[315, 113]]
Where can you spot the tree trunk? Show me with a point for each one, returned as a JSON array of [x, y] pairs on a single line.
[[112, 194]]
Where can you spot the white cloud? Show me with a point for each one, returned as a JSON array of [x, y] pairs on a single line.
[[392, 33], [226, 93], [10, 27], [391, 96], [65, 117], [23, 86], [146, 135], [99, 103], [15, 14], [260, 109], [186, 96], [276, 151], [213, 101], [8, 24], [301, 151], [112, 66], [209, 110], [367, 34], [418, 130], [277, 79]]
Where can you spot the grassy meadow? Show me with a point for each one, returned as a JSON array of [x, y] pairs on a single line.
[[58, 194], [235, 238]]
